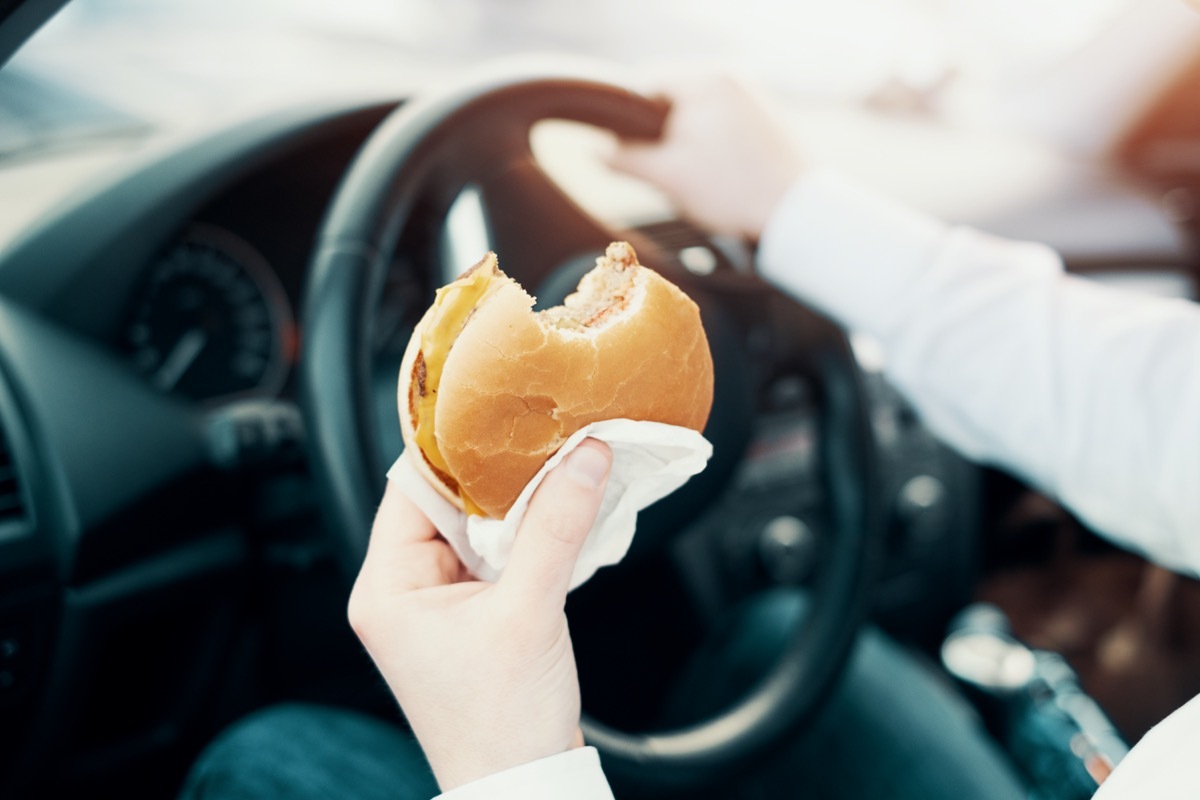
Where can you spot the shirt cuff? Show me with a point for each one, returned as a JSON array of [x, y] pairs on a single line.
[[575, 774], [846, 250]]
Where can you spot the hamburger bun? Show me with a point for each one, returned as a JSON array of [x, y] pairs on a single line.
[[490, 389]]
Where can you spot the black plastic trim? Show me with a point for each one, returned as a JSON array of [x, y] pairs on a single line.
[[79, 264], [20, 19]]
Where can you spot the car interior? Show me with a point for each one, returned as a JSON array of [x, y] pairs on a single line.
[[201, 325]]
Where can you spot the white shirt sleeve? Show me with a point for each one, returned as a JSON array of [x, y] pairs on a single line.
[[1163, 764], [1089, 393], [575, 774]]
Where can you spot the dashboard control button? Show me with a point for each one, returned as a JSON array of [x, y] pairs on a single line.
[[788, 549], [252, 432], [919, 516]]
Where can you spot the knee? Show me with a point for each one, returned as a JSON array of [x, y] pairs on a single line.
[[259, 754], [308, 752]]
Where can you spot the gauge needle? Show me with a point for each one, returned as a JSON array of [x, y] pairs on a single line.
[[182, 356]]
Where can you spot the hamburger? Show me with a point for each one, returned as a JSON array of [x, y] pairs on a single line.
[[489, 389]]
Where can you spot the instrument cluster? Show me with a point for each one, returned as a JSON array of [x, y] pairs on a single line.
[[210, 320]]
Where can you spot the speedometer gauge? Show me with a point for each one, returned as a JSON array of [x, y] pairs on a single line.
[[212, 320]]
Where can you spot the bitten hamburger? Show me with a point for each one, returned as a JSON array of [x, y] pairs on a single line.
[[490, 389]]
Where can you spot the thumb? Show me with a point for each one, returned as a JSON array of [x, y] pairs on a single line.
[[637, 159], [557, 522]]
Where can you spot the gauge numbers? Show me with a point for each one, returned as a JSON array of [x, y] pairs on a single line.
[[212, 320]]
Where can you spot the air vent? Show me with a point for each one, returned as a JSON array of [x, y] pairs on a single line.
[[12, 500]]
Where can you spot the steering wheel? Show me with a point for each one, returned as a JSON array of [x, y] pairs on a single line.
[[478, 133]]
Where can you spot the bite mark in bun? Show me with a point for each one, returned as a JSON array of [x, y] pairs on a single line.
[[490, 389]]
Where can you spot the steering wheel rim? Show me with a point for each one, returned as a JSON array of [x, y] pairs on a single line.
[[415, 151]]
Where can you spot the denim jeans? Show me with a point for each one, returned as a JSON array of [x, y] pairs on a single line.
[[893, 730], [309, 752]]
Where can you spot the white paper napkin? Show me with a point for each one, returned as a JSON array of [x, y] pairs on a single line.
[[650, 460]]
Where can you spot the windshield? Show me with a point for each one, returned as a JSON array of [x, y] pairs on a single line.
[[105, 67]]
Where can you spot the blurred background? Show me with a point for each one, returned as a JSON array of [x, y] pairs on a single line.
[[926, 99], [973, 59], [957, 89]]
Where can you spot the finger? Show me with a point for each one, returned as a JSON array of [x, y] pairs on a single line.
[[656, 164], [401, 518], [404, 551], [632, 158], [558, 520]]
